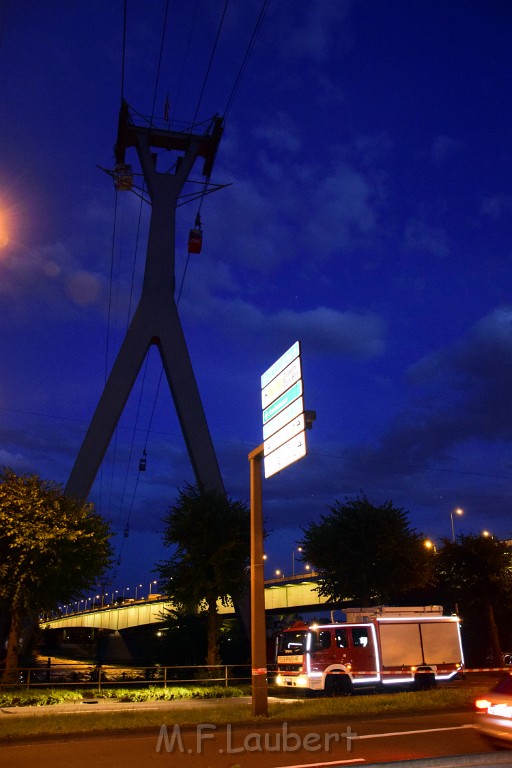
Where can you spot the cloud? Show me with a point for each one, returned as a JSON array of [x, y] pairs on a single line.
[[460, 396], [282, 134], [444, 147], [422, 236], [314, 30], [320, 210], [496, 206], [323, 330]]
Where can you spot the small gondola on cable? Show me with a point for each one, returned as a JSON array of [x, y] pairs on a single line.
[[123, 177], [195, 236]]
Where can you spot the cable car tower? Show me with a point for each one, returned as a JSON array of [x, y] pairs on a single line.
[[156, 319]]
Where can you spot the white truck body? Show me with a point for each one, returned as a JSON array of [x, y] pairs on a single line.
[[378, 646]]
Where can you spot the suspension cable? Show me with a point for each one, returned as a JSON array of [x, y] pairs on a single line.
[[248, 51], [123, 52], [211, 61], [162, 40]]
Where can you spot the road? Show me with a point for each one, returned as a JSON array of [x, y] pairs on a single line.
[[353, 743]]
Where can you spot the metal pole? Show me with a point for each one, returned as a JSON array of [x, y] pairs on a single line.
[[258, 628]]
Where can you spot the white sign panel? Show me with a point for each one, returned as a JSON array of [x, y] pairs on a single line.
[[287, 454], [285, 434], [281, 383], [280, 364], [283, 418], [282, 402]]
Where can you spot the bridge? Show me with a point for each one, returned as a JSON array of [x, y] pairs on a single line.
[[282, 595]]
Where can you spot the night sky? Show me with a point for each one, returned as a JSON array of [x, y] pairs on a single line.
[[367, 149]]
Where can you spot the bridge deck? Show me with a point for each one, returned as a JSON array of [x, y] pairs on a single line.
[[280, 595]]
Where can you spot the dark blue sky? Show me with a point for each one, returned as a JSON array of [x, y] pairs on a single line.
[[369, 215]]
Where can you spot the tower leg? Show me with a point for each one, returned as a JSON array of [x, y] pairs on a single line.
[[109, 409], [187, 401]]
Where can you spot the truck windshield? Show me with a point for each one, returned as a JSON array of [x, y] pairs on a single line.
[[293, 643]]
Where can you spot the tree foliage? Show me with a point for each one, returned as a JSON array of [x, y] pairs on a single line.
[[211, 537], [475, 574], [52, 549], [366, 553]]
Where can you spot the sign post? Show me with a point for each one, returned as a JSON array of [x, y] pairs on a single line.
[[284, 435], [258, 626]]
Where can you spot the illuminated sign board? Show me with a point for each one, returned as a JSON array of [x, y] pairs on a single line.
[[284, 418]]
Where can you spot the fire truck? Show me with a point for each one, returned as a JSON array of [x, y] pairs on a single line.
[[374, 647]]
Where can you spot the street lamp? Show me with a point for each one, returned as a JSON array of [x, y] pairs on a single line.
[[453, 512], [299, 549], [151, 586], [137, 589]]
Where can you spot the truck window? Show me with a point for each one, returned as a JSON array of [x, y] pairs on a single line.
[[293, 642], [322, 640], [360, 637], [342, 638]]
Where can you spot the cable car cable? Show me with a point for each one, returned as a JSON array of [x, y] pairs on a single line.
[[137, 238], [123, 52], [210, 62], [162, 40], [248, 51], [187, 49]]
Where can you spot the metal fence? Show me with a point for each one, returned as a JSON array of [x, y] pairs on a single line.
[[104, 675]]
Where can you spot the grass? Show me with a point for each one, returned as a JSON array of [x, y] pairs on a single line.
[[88, 720]]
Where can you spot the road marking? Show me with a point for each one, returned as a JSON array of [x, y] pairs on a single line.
[[407, 733], [320, 765]]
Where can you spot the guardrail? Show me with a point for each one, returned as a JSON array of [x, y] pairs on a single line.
[[81, 675]]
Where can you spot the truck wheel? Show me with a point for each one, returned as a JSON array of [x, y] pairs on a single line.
[[424, 681], [338, 685]]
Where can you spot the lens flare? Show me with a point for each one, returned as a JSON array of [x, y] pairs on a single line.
[[6, 224], [4, 233]]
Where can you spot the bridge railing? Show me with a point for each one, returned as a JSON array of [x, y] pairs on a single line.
[[98, 676]]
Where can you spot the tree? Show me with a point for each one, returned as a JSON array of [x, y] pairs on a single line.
[[475, 573], [52, 549], [212, 538], [366, 553]]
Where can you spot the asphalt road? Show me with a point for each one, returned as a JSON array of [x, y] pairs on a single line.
[[358, 742]]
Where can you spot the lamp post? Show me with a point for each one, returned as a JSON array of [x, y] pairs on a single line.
[[139, 586], [299, 549], [453, 512], [151, 586]]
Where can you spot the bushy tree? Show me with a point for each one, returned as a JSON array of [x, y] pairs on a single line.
[[475, 574], [52, 549], [211, 536], [366, 553]]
